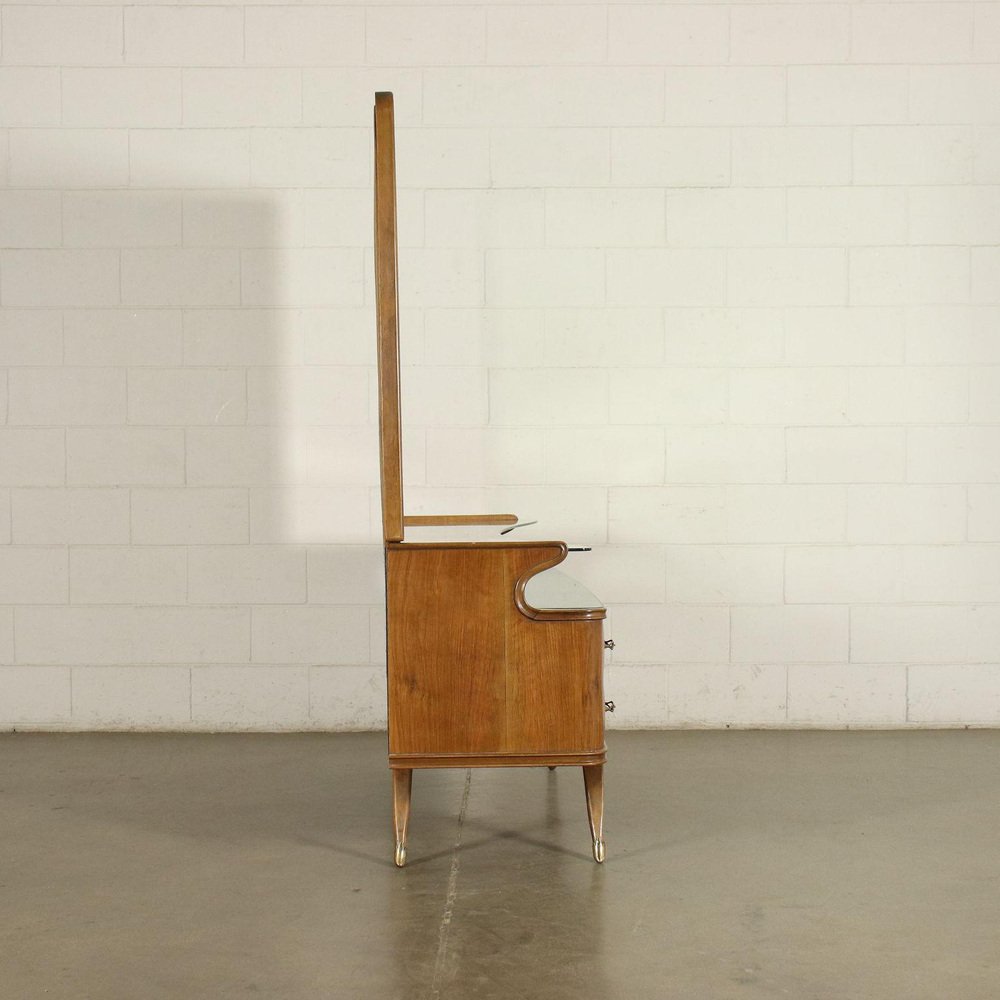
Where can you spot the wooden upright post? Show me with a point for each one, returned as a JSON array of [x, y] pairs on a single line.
[[387, 316]]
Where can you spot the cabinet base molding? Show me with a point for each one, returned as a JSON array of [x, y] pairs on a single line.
[[408, 761]]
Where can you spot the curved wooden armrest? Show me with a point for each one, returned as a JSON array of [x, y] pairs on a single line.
[[432, 520]]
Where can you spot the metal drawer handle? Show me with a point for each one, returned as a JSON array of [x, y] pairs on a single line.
[[609, 643], [609, 706]]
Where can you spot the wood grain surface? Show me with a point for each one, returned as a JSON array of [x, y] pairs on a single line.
[[387, 320], [431, 520], [469, 673]]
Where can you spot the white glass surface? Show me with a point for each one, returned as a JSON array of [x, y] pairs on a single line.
[[456, 533], [552, 590]]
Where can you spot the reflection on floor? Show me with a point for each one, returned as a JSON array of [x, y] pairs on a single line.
[[740, 864]]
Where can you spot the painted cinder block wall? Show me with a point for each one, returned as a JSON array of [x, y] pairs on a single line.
[[714, 288]]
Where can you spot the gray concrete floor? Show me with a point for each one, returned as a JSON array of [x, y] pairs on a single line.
[[805, 865]]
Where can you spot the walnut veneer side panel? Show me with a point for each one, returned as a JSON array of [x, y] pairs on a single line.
[[470, 674], [554, 689], [446, 671]]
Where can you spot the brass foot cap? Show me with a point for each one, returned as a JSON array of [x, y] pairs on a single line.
[[599, 851], [400, 855]]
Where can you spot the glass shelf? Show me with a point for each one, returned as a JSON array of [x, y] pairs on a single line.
[[552, 590]]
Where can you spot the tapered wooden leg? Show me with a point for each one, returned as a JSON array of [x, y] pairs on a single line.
[[402, 782], [593, 781]]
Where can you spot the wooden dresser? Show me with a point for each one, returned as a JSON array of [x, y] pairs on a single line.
[[494, 658]]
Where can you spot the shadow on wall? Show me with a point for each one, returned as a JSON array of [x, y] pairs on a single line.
[[191, 451]]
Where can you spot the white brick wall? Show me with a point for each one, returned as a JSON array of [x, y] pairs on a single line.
[[711, 287]]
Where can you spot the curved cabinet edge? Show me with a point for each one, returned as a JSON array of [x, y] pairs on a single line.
[[551, 614], [478, 545], [520, 602]]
